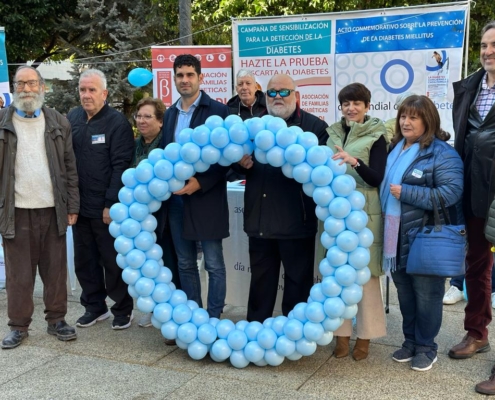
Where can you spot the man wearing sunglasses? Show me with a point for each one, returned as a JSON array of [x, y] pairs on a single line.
[[279, 218]]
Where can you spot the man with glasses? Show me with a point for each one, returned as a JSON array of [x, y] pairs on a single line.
[[38, 186], [104, 147], [279, 218]]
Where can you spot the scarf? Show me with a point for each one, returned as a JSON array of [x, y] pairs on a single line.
[[398, 161], [142, 149]]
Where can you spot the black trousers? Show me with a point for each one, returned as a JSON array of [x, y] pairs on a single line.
[[96, 268], [265, 255]]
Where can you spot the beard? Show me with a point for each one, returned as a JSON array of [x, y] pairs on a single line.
[[24, 102], [282, 111]]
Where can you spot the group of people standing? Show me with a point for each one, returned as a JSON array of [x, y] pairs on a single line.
[[57, 172]]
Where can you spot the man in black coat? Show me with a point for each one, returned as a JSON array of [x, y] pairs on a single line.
[[104, 147], [279, 217], [474, 125], [249, 101], [198, 211]]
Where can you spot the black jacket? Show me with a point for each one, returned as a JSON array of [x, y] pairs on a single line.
[[275, 207], [257, 110], [100, 163], [206, 212], [477, 150]]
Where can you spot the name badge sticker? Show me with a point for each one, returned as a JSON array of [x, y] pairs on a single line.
[[98, 139], [417, 173]]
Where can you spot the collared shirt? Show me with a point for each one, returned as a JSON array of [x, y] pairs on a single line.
[[24, 115], [486, 98], [184, 117]]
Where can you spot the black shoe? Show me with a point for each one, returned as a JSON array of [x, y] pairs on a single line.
[[89, 318], [14, 339], [122, 321], [62, 331]]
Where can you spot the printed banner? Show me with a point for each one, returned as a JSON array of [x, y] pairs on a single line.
[[216, 67], [4, 73], [391, 51]]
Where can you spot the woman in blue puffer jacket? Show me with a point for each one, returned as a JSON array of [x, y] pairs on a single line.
[[419, 162]]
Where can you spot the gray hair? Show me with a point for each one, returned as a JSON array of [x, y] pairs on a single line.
[[245, 72], [487, 27], [40, 78], [95, 72]]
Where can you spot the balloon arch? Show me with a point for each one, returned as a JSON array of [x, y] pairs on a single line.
[[339, 205]]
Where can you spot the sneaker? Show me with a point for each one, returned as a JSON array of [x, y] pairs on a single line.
[[493, 300], [122, 321], [402, 355], [421, 362], [145, 321], [453, 295], [89, 318]]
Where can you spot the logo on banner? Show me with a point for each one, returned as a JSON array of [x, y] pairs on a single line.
[[160, 58], [209, 57], [198, 56], [222, 57]]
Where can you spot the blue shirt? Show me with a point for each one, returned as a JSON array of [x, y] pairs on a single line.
[[184, 117], [24, 115]]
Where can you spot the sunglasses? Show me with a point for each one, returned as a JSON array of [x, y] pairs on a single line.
[[281, 92]]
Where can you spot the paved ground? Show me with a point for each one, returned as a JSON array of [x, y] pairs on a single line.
[[135, 364]]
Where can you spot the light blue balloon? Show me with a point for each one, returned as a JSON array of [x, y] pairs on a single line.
[[293, 329], [299, 312], [316, 293], [220, 350], [278, 324], [130, 276], [139, 77], [261, 363], [190, 152], [267, 117], [238, 360], [345, 275], [254, 352], [336, 257], [214, 121], [145, 304], [169, 330], [285, 137], [314, 331], [192, 305], [150, 269], [207, 333], [210, 154], [178, 297], [275, 156], [273, 358], [155, 155], [296, 129], [238, 132], [128, 178], [308, 188], [164, 169], [294, 356], [219, 137], [224, 327], [162, 294], [327, 241], [336, 168], [334, 307], [330, 287], [305, 347], [241, 325], [295, 154], [175, 184], [350, 311], [264, 140], [214, 321], [357, 200], [138, 211], [232, 120], [332, 324], [316, 156], [254, 126], [359, 258], [154, 205], [114, 229], [156, 324], [172, 152], [287, 170], [314, 312], [132, 292], [144, 241], [184, 136], [200, 166], [144, 286], [197, 350], [155, 253], [307, 140], [343, 185], [199, 317], [266, 338], [141, 194], [322, 195], [322, 213], [180, 344], [237, 339], [339, 207], [334, 226], [285, 346], [365, 238], [158, 187], [224, 162], [252, 330], [182, 314], [267, 323], [163, 312], [121, 262], [248, 148], [183, 170], [302, 172], [260, 156], [233, 152], [356, 221], [126, 196], [325, 268], [119, 212], [135, 258], [201, 135], [321, 175], [144, 172], [123, 245], [352, 294], [326, 339], [363, 275], [275, 124], [347, 241], [187, 332]]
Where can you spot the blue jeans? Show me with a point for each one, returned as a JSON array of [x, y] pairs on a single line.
[[188, 266], [420, 301]]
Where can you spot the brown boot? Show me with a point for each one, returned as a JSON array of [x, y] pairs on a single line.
[[342, 347], [488, 386], [361, 349]]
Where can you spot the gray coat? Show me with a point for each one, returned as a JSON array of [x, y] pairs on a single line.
[[61, 162]]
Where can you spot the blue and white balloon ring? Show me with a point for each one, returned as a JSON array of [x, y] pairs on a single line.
[[344, 269]]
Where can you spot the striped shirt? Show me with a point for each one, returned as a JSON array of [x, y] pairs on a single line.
[[486, 98]]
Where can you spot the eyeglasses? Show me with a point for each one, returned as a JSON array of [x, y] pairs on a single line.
[[281, 92], [20, 84], [145, 117]]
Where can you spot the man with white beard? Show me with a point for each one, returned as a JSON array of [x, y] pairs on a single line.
[[39, 199]]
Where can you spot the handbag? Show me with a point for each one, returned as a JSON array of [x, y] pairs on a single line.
[[437, 250], [490, 224]]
